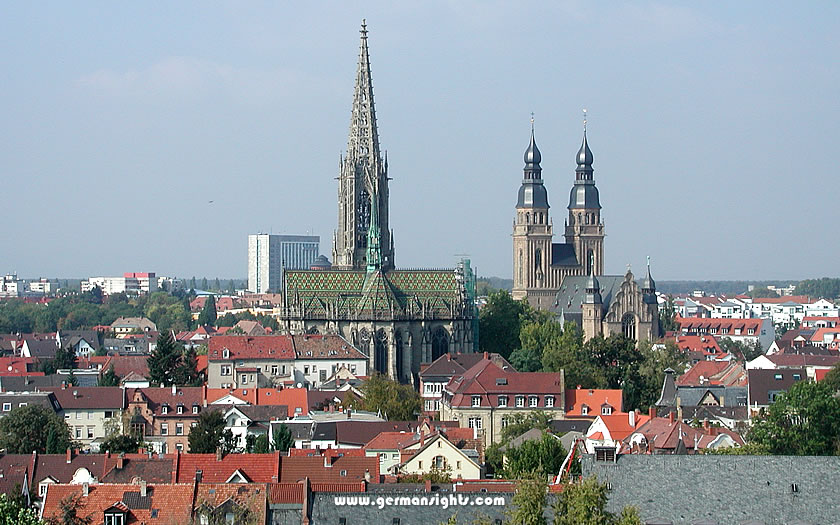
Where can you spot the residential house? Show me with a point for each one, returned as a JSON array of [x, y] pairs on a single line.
[[725, 404], [12, 400], [809, 362], [434, 376], [822, 308], [17, 472], [131, 344], [229, 468], [90, 411], [389, 446], [608, 432], [766, 384], [162, 417], [731, 309], [129, 468], [71, 467], [295, 399], [84, 343], [223, 503], [41, 349], [437, 452], [724, 373], [818, 321], [250, 420], [701, 348], [124, 504], [591, 402], [132, 325], [262, 361], [328, 469], [747, 331], [486, 397], [669, 435]]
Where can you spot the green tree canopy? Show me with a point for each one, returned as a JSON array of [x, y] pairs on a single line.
[[282, 439], [120, 443], [109, 378], [585, 503], [528, 505], [827, 288], [543, 457], [499, 323], [26, 429], [804, 421], [208, 434], [207, 317], [399, 402], [12, 512]]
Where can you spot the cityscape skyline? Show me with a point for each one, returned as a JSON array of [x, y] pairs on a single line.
[[162, 142]]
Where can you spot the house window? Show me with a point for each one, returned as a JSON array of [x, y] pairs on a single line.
[[42, 489], [342, 473], [7, 407], [109, 414], [179, 447], [606, 410], [520, 401], [503, 401], [475, 422], [476, 401], [797, 377], [777, 377], [226, 354], [225, 370], [195, 409], [274, 370], [439, 462], [79, 432], [179, 429], [458, 465], [114, 518], [243, 379], [584, 410], [180, 409], [549, 401], [533, 401], [420, 465], [22, 404], [164, 429], [164, 409], [305, 370], [504, 422], [90, 432], [751, 331]]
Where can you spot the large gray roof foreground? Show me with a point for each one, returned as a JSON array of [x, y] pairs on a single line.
[[723, 489]]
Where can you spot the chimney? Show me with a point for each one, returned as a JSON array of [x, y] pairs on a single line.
[[219, 454], [670, 417], [486, 355], [143, 488], [85, 489], [706, 426], [349, 413], [422, 439], [198, 475], [631, 419], [428, 485], [174, 390], [120, 461], [69, 455], [367, 475], [652, 412]]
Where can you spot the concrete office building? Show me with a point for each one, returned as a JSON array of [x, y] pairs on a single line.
[[269, 255]]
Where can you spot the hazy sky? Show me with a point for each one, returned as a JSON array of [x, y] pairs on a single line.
[[713, 125]]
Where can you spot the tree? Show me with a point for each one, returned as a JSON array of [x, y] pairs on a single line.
[[585, 503], [826, 288], [231, 287], [655, 359], [68, 512], [760, 292], [499, 323], [399, 402], [208, 434], [668, 317], [228, 319], [742, 351], [519, 424], [204, 283], [832, 378], [543, 457], [109, 378], [261, 444], [217, 285], [529, 502], [207, 317], [186, 371], [192, 283], [804, 421], [64, 359], [170, 364], [282, 439], [26, 429], [12, 512], [120, 443], [566, 352]]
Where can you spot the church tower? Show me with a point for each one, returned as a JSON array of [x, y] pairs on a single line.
[[532, 230], [363, 176], [592, 309], [584, 228]]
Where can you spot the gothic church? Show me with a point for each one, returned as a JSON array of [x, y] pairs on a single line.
[[399, 318], [567, 278]]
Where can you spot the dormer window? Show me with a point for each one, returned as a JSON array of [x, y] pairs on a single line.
[[164, 409], [549, 401], [584, 410], [225, 354], [606, 410], [476, 401], [520, 401], [114, 517], [503, 401], [195, 409], [180, 409], [533, 401]]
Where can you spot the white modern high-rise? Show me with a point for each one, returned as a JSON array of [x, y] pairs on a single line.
[[269, 255]]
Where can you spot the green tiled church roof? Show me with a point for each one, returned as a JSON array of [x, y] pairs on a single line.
[[378, 294]]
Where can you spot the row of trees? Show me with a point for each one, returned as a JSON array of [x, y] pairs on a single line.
[[535, 341], [210, 435], [77, 311]]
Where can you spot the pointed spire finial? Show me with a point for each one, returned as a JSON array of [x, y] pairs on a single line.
[[532, 122], [364, 28], [584, 121]]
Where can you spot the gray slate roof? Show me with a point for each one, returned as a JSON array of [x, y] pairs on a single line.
[[571, 295], [723, 489], [563, 255]]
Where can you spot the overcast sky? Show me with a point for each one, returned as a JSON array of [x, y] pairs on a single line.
[[713, 125]]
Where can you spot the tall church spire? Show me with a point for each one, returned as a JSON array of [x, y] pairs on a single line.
[[363, 178]]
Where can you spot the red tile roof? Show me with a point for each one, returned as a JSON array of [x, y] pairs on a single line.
[[250, 347], [167, 503], [251, 496], [18, 366], [124, 364], [619, 424], [294, 398], [327, 452], [819, 373], [488, 380], [157, 397], [797, 360], [801, 299], [726, 373], [258, 468], [334, 470], [592, 398], [394, 440]]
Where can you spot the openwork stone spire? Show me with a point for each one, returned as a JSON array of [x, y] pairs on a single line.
[[363, 177]]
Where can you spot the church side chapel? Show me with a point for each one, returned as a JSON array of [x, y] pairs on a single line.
[[399, 318], [567, 278]]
